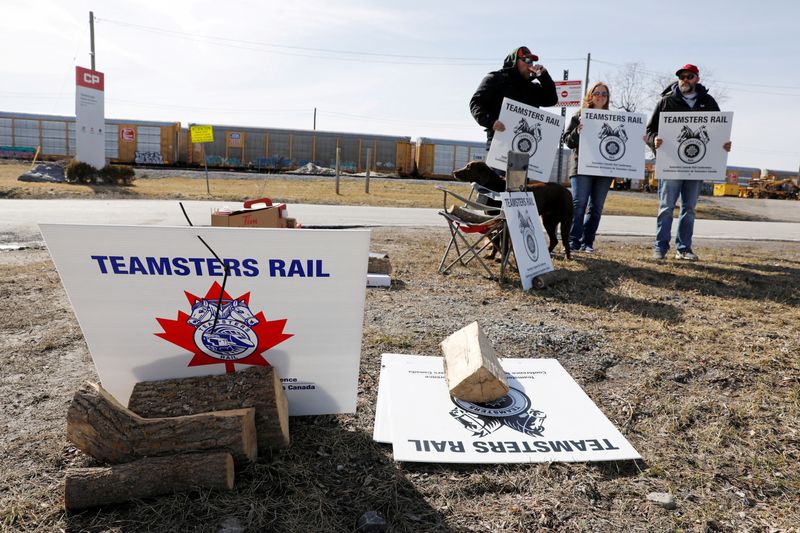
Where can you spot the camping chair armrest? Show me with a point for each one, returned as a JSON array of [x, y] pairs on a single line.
[[467, 202]]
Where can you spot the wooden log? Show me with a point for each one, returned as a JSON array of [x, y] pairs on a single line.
[[256, 386], [471, 368], [98, 425], [549, 278], [379, 264], [145, 478]]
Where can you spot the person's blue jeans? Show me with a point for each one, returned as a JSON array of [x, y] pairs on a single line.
[[668, 192], [588, 197]]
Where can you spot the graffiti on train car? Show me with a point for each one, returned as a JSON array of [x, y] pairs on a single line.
[[17, 152], [148, 158], [273, 162]]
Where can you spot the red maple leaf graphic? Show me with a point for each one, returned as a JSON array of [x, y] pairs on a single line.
[[268, 332]]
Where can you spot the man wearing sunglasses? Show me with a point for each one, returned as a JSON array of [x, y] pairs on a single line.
[[520, 79], [684, 95]]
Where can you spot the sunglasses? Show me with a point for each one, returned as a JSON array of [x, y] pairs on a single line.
[[600, 93], [528, 60], [689, 76]]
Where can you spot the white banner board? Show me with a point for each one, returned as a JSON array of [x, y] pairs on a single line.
[[527, 236], [570, 93], [692, 145], [90, 125], [148, 301], [611, 144], [545, 417], [529, 130]]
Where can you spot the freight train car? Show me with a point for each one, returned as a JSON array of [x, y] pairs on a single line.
[[127, 141], [438, 158], [283, 149]]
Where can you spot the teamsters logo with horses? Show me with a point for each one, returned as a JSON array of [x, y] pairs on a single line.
[[527, 137], [692, 144], [514, 410], [223, 330], [528, 236], [612, 142]]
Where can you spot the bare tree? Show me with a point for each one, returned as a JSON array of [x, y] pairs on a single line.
[[631, 88]]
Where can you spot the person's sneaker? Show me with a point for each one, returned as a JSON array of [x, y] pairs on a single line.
[[687, 255], [659, 254], [574, 249], [587, 249]]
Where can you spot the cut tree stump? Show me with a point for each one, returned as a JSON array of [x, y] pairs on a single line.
[[471, 368], [98, 425], [144, 478], [256, 386]]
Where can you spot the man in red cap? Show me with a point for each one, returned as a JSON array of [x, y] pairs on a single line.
[[520, 79], [684, 95]]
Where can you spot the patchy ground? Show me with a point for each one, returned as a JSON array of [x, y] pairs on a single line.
[[698, 364]]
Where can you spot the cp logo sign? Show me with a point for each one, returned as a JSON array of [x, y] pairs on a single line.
[[92, 79]]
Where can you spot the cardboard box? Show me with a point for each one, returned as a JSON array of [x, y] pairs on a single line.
[[268, 217]]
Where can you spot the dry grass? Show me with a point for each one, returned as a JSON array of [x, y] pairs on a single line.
[[697, 363], [383, 192]]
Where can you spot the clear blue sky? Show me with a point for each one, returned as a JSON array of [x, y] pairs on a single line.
[[404, 68]]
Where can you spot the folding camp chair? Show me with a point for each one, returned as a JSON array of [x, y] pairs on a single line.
[[473, 228]]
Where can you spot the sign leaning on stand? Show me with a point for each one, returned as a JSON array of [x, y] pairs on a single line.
[[611, 144], [692, 145], [153, 303], [529, 130], [90, 122], [527, 236]]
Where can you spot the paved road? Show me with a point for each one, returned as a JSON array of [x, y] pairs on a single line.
[[18, 218]]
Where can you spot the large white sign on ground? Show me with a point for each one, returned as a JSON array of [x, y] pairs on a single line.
[[527, 236], [529, 130], [90, 125], [151, 304], [611, 144], [545, 417], [692, 145]]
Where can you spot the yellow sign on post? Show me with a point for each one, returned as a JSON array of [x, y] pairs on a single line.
[[202, 134]]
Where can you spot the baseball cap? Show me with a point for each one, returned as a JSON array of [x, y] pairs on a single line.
[[524, 51], [688, 67]]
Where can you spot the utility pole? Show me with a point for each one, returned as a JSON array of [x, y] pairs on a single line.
[[315, 119], [559, 178], [91, 36], [588, 60]]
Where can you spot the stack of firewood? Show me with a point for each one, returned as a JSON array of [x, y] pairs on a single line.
[[175, 435]]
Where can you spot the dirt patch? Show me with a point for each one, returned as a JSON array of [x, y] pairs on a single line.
[[696, 363]]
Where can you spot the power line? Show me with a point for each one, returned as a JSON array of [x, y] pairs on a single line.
[[333, 54]]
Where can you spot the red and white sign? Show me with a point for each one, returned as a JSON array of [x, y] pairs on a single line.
[[89, 78], [90, 125], [127, 135], [569, 93]]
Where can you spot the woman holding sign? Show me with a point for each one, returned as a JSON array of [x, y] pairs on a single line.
[[588, 192]]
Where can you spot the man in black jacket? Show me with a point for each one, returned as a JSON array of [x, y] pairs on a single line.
[[684, 95], [520, 79]]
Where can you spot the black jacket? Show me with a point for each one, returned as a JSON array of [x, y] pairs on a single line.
[[509, 83], [571, 138], [672, 101]]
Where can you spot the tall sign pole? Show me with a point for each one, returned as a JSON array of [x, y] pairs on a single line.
[[560, 148], [91, 37]]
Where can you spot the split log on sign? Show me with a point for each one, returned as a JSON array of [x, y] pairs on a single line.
[[256, 386], [98, 425], [379, 264], [471, 368], [144, 478]]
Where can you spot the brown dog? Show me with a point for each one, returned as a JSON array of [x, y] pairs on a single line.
[[553, 201]]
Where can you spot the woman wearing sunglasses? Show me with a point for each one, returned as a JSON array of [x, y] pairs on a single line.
[[588, 192]]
